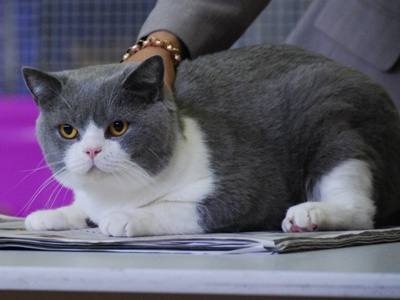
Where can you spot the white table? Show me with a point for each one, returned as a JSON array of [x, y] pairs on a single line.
[[366, 271]]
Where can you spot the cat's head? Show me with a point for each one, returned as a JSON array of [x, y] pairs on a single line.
[[109, 123]]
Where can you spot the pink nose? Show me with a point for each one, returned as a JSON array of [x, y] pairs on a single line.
[[92, 152]]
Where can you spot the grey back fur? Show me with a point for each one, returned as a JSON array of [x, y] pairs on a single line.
[[276, 119]]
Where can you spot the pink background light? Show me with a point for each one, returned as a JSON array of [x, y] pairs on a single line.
[[23, 170]]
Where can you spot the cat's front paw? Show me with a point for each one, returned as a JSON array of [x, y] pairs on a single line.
[[303, 217], [122, 224], [53, 220]]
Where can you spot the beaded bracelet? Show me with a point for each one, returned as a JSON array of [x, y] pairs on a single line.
[[154, 42]]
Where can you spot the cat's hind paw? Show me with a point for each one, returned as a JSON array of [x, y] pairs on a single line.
[[304, 217]]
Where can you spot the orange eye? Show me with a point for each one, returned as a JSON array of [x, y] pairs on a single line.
[[67, 131], [118, 128]]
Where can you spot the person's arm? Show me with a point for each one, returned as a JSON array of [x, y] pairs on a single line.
[[196, 27], [204, 26]]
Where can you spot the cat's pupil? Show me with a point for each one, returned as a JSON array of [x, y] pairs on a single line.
[[68, 129], [118, 126]]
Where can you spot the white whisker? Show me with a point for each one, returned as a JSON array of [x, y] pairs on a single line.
[[40, 189]]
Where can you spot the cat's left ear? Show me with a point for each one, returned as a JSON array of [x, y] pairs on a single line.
[[147, 79], [43, 86]]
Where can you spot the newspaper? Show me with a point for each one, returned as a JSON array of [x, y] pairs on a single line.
[[14, 236]]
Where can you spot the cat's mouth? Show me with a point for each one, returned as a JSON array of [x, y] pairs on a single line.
[[95, 171]]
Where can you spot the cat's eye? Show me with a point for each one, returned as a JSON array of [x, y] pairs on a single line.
[[67, 131], [118, 128]]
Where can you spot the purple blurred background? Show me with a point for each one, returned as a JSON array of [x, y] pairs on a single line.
[[23, 175]]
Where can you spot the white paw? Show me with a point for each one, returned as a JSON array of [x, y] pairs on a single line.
[[307, 216], [126, 225], [46, 220], [56, 219]]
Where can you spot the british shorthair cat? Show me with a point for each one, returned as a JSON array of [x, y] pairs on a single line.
[[259, 138]]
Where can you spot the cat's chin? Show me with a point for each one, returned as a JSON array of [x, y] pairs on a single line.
[[96, 176], [93, 176], [95, 172]]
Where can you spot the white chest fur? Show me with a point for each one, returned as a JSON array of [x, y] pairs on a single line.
[[187, 178]]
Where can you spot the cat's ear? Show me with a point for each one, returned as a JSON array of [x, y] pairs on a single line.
[[147, 78], [43, 86]]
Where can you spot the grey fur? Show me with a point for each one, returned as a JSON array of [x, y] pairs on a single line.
[[275, 119]]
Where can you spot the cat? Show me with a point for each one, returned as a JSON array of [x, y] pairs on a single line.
[[267, 137]]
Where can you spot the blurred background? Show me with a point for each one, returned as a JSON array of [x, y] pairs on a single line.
[[57, 34], [63, 34]]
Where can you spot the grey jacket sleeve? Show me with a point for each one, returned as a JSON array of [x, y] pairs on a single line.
[[204, 26]]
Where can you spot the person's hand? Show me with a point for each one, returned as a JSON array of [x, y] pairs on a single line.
[[169, 68]]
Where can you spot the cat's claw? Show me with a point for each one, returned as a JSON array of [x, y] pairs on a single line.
[[304, 217]]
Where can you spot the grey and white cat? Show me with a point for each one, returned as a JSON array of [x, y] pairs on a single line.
[[258, 138]]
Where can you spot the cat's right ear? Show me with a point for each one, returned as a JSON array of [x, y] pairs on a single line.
[[43, 87]]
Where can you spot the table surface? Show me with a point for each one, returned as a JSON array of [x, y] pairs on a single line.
[[365, 271]]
